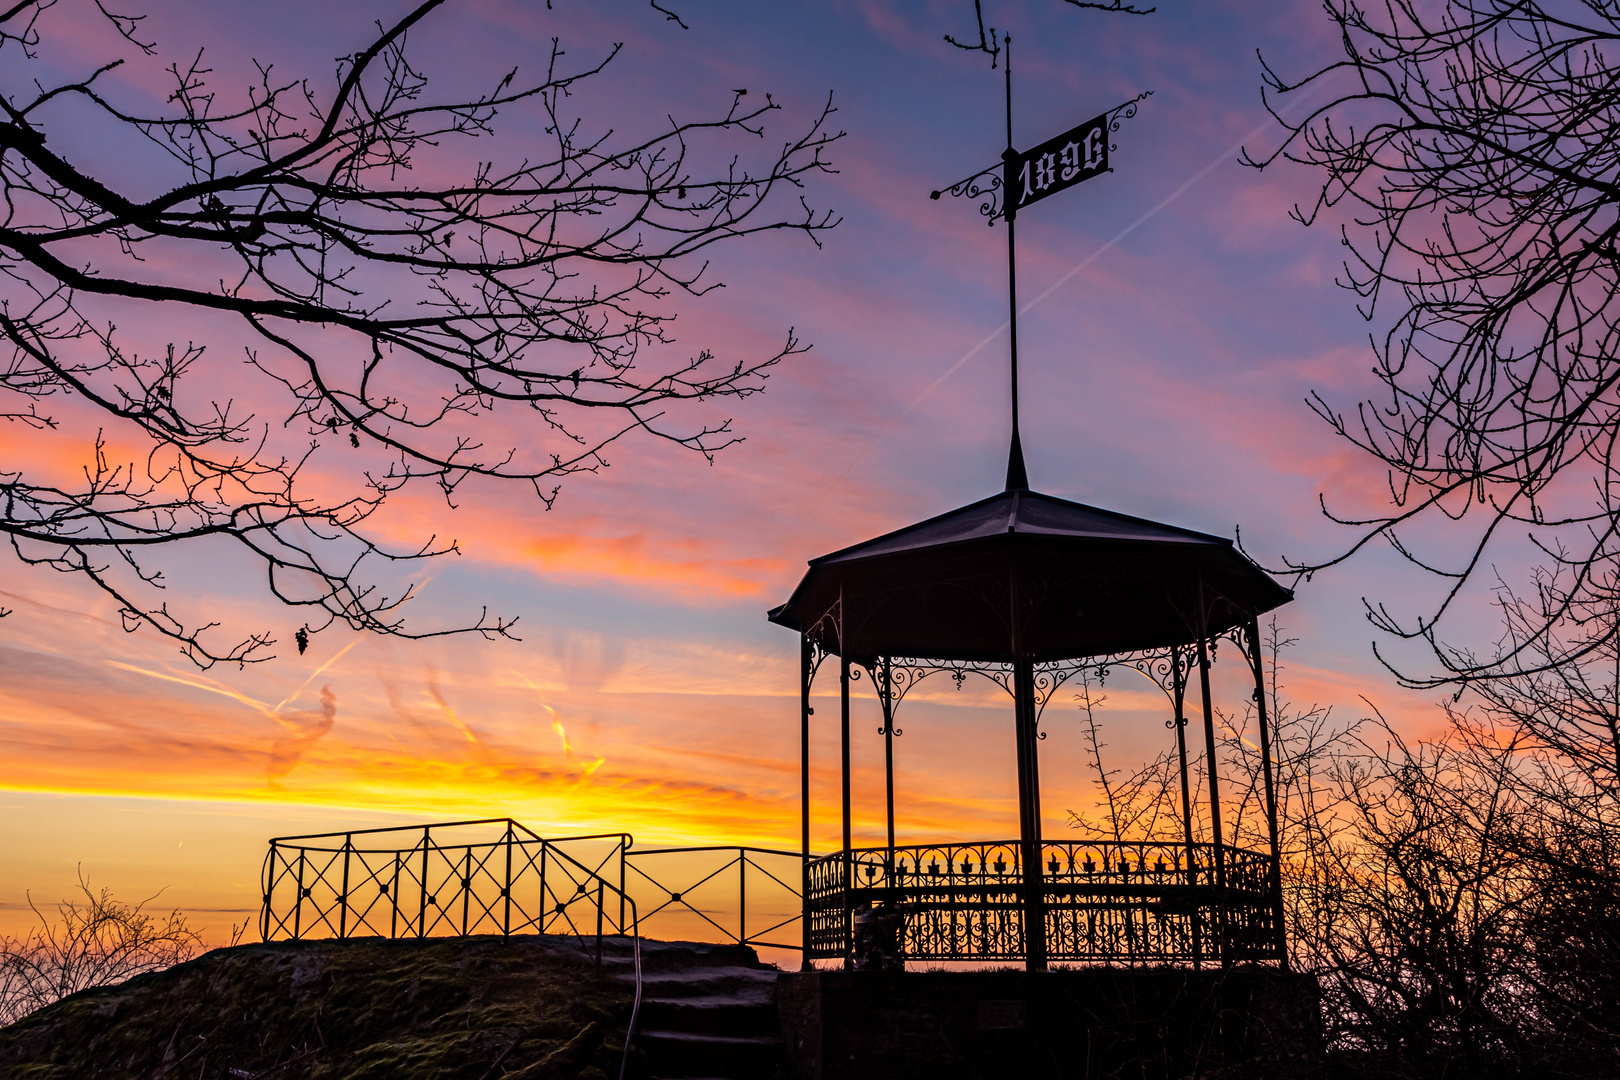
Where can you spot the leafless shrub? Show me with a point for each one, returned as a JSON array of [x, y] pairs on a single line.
[[97, 941], [1139, 806], [1457, 898]]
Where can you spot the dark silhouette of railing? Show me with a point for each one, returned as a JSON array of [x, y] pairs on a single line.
[[1104, 900], [700, 883], [1109, 901], [452, 881], [364, 883]]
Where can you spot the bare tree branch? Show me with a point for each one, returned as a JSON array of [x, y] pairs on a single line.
[[392, 295], [1473, 145]]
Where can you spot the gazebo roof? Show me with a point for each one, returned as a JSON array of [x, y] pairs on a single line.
[[1088, 581]]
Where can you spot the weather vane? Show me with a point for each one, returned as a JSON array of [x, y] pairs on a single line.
[[1022, 179]]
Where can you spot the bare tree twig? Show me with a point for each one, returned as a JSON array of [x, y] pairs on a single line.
[[99, 941], [1469, 149], [988, 44], [394, 302]]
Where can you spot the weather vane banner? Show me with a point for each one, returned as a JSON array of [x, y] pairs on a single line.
[[1062, 162], [1023, 178]]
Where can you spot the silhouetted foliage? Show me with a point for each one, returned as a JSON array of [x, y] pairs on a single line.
[[352, 280], [99, 941], [1457, 898], [1472, 145]]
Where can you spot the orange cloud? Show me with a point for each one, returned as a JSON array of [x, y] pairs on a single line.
[[635, 558]]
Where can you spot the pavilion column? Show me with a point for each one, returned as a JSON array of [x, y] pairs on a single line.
[[1178, 682], [843, 705], [886, 696], [806, 673], [1029, 785], [1216, 836], [1252, 631], [1029, 816]]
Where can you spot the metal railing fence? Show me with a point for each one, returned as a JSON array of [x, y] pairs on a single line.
[[495, 876], [1104, 900], [491, 876], [743, 895]]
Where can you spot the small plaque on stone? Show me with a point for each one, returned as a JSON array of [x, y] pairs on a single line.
[[1000, 1014]]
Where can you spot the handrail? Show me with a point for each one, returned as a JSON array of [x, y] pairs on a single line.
[[513, 822], [635, 1006], [721, 847], [635, 939]]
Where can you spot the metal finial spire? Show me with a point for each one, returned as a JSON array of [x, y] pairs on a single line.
[[1017, 478]]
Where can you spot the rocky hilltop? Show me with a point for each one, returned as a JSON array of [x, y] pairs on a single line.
[[527, 1008]]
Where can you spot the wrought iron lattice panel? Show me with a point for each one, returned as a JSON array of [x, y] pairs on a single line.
[[742, 895], [497, 877], [1105, 900], [366, 884]]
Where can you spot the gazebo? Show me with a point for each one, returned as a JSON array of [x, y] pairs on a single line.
[[1030, 590]]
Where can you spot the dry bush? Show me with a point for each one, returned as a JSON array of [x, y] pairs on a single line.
[[97, 941], [1457, 898]]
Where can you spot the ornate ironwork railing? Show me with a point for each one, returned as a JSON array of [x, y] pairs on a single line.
[[498, 877], [1105, 901]]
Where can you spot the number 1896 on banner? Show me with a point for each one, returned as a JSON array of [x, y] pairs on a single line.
[[1078, 154]]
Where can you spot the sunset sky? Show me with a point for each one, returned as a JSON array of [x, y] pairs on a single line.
[[1176, 321]]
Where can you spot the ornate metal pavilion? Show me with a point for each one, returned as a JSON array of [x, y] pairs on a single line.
[[1030, 590]]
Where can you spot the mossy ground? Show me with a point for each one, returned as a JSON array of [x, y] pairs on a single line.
[[444, 1009]]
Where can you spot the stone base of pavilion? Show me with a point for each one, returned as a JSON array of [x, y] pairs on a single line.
[[1154, 1023]]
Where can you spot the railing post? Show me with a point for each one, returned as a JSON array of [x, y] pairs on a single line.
[[421, 921], [269, 883], [466, 888], [506, 885], [298, 910], [540, 922], [343, 901], [599, 899], [624, 851], [393, 898], [742, 897]]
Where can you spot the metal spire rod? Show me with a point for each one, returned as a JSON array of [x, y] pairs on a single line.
[[1023, 179], [1017, 476]]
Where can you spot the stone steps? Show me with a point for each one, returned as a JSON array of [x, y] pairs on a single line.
[[708, 1012]]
